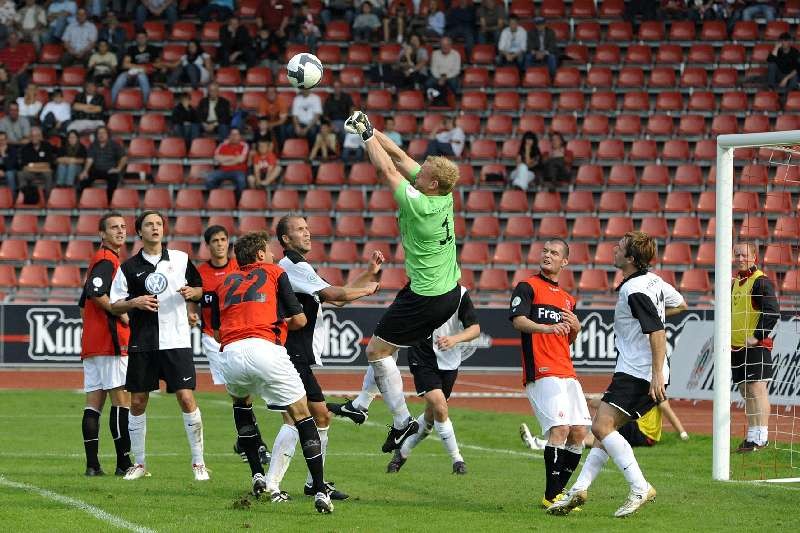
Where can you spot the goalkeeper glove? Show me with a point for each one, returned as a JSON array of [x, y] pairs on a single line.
[[359, 124]]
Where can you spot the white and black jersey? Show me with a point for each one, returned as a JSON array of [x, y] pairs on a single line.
[[450, 359], [162, 276], [306, 343], [641, 310]]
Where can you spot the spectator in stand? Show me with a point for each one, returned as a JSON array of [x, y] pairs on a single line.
[[268, 48], [674, 10], [557, 163], [264, 166], [352, 148], [436, 21], [308, 32], [103, 64], [709, 10], [398, 14], [17, 57], [215, 113], [88, 109], [70, 160], [29, 104], [411, 68], [17, 128], [760, 9], [640, 10], [326, 145], [276, 16], [543, 46], [274, 113], [9, 163], [158, 9], [32, 22], [366, 24], [447, 141], [235, 43], [105, 160], [491, 19], [36, 161], [96, 9], [231, 158], [222, 10], [528, 161], [9, 88], [337, 10], [306, 114], [139, 59], [79, 39], [185, 120], [114, 35], [194, 66], [389, 131], [8, 17], [59, 15], [782, 65], [445, 68], [337, 107], [513, 44], [56, 114], [461, 23], [124, 8]]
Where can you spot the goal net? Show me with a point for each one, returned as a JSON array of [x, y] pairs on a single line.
[[758, 181]]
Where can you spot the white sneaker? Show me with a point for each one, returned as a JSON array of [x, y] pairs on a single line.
[[135, 472], [323, 503], [569, 502], [200, 473], [635, 501]]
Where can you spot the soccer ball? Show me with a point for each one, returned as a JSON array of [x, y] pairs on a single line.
[[304, 70]]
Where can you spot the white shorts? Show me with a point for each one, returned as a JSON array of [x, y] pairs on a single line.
[[258, 367], [214, 356], [558, 402], [104, 372]]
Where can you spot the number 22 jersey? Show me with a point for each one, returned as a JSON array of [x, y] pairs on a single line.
[[253, 303]]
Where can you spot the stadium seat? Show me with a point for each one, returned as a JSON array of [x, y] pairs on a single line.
[[337, 30], [350, 200], [604, 254], [545, 202], [571, 101], [61, 198], [372, 246], [580, 201], [567, 77], [552, 226], [297, 174], [701, 54], [651, 30], [611, 150], [660, 126], [603, 101], [507, 253], [669, 54], [756, 124], [617, 227], [619, 31], [285, 200], [56, 225], [691, 126], [566, 125], [687, 176], [159, 100], [746, 201], [679, 202], [379, 100], [361, 54], [662, 78], [630, 78], [643, 150], [791, 282], [88, 225], [153, 124], [475, 77], [343, 252], [125, 199], [714, 30], [225, 221], [627, 126], [51, 53], [593, 280], [189, 200], [636, 101], [607, 54], [613, 201], [705, 254], [473, 101], [350, 226], [586, 227], [595, 126], [483, 149], [655, 227], [687, 228], [483, 54], [169, 174], [667, 101], [724, 77], [638, 54], [382, 200], [514, 201], [44, 76], [221, 200], [120, 123], [745, 30], [33, 277], [701, 101], [654, 176], [320, 226], [475, 253], [171, 148], [484, 227], [330, 173], [677, 253], [505, 77], [14, 250], [786, 123], [493, 279], [333, 275], [294, 149], [732, 54], [480, 201], [754, 227], [383, 226], [675, 150], [622, 175], [724, 124], [519, 227], [753, 176], [23, 224], [129, 99], [259, 223], [599, 78], [705, 150], [141, 148], [499, 125], [694, 78], [156, 198], [536, 77], [93, 199], [779, 202], [410, 101], [583, 9], [779, 255]]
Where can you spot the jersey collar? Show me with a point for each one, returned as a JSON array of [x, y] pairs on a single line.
[[741, 276], [293, 256], [104, 247], [634, 275], [164, 254], [546, 279], [212, 265]]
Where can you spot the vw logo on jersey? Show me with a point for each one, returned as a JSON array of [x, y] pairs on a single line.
[[155, 283]]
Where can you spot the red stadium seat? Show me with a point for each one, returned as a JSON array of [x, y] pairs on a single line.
[[544, 202], [475, 253], [654, 176], [476, 77], [506, 102], [675, 150], [682, 30], [669, 101], [617, 227], [607, 54], [519, 228], [344, 252], [514, 201], [691, 126], [646, 202], [566, 125], [586, 227], [745, 30], [159, 100], [604, 253], [337, 30], [636, 101], [595, 126], [361, 54], [120, 123], [732, 54], [285, 200], [141, 148], [172, 148], [587, 31], [129, 99], [779, 255], [679, 202], [756, 124], [754, 228], [221, 200], [622, 175], [152, 124], [318, 200], [484, 227], [169, 173], [723, 124], [93, 199], [687, 228], [384, 226], [493, 279], [376, 246], [483, 149], [507, 253], [651, 30], [694, 77], [701, 101], [51, 53], [320, 226], [33, 277], [379, 100], [350, 226], [44, 76], [638, 54], [228, 76], [714, 30], [567, 77], [571, 101], [577, 52], [589, 175], [410, 101], [724, 77], [791, 282], [701, 53], [53, 225], [613, 201], [125, 199], [778, 202], [552, 227], [258, 77], [655, 227], [630, 77], [295, 149], [603, 101], [297, 174], [677, 253], [473, 101], [480, 201], [628, 126], [536, 77], [643, 150], [499, 125], [593, 280], [505, 77], [662, 78], [619, 31], [599, 78], [483, 54]]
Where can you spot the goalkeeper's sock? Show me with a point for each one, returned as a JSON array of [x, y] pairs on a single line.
[[621, 452], [762, 435], [752, 434], [448, 437], [568, 460], [552, 460], [595, 460], [411, 442], [369, 389], [390, 383]]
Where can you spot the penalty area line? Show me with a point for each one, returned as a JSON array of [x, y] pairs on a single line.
[[96, 512]]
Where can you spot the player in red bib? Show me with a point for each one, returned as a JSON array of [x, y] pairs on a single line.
[[543, 314], [257, 307], [104, 350]]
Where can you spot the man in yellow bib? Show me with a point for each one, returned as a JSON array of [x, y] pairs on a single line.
[[754, 314]]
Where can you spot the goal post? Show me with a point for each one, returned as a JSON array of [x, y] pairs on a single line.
[[782, 141]]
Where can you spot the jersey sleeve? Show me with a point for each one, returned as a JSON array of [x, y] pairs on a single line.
[[466, 312], [672, 298], [304, 279], [521, 300], [211, 300], [288, 305], [98, 282], [119, 287], [410, 199], [643, 310], [193, 277], [412, 175], [764, 299]]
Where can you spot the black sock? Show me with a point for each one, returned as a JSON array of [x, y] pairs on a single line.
[[247, 436], [91, 428], [118, 424], [312, 451], [568, 462], [553, 484], [249, 407]]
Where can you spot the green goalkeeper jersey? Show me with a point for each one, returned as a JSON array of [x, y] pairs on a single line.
[[429, 242]]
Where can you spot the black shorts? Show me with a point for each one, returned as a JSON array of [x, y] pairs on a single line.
[[751, 364], [175, 367], [412, 318], [629, 394], [634, 435], [427, 376], [310, 383]]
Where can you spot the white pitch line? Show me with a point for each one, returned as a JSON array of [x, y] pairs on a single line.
[[96, 512]]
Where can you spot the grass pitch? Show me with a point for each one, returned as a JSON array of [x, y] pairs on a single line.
[[41, 447]]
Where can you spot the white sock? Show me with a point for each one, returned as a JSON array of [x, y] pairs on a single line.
[[595, 461], [416, 438], [137, 429], [390, 383], [752, 434], [193, 424], [448, 436], [323, 442], [369, 389], [282, 453], [621, 452], [762, 435]]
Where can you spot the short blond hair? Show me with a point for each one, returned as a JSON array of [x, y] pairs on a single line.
[[444, 171], [641, 247]]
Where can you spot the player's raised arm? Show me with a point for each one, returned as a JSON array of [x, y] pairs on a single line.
[[359, 124], [402, 162]]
